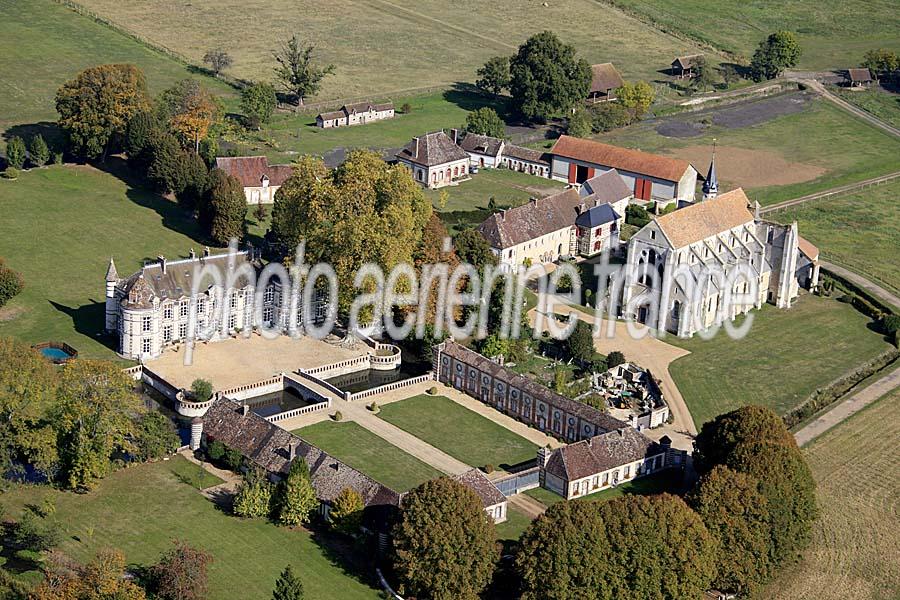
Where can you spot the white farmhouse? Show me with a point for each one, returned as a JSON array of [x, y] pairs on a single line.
[[259, 179], [435, 160]]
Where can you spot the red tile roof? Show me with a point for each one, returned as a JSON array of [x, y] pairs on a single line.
[[623, 159], [249, 170]]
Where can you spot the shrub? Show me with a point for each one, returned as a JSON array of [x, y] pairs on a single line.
[[15, 152], [11, 283], [890, 323], [39, 151], [374, 407], [57, 158], [614, 359], [201, 389], [254, 497], [406, 108], [488, 468], [215, 450], [338, 416], [636, 215], [11, 173], [36, 533], [433, 390], [233, 459]]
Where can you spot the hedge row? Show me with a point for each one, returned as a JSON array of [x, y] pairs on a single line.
[[823, 397]]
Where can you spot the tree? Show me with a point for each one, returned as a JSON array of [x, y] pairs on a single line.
[[778, 52], [215, 450], [258, 101], [636, 215], [565, 554], [494, 76], [881, 62], [718, 438], [101, 579], [485, 121], [93, 419], [646, 560], [201, 389], [297, 71], [472, 248], [196, 178], [233, 459], [194, 113], [37, 532], [636, 98], [295, 499], [167, 164], [180, 573], [139, 135], [607, 116], [444, 543], [218, 60], [11, 283], [704, 74], [39, 151], [786, 482], [737, 515], [347, 511], [15, 152], [156, 436], [95, 107], [254, 497], [227, 206], [730, 74], [580, 344], [493, 345], [580, 123], [288, 586], [546, 79], [614, 359], [328, 208]]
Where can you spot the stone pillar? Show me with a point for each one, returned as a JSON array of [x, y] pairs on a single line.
[[196, 432]]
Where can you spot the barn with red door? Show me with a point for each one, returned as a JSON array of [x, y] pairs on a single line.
[[652, 178]]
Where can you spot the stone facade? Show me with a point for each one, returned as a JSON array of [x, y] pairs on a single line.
[[356, 114], [435, 160]]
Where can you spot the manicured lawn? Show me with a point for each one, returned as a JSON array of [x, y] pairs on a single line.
[[833, 34], [461, 433], [853, 553], [786, 355], [385, 46], [140, 510], [545, 496], [507, 188], [43, 44], [516, 523], [60, 226], [860, 231], [822, 136], [365, 451], [191, 474]]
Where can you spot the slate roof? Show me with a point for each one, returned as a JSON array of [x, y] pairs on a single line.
[[475, 480], [531, 387], [432, 149], [623, 159], [482, 144], [596, 216], [176, 282], [249, 170], [527, 154], [601, 453], [111, 273], [532, 219], [607, 188], [685, 62], [605, 77], [861, 75], [268, 446], [707, 218]]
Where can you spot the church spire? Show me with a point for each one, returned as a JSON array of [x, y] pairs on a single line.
[[711, 185]]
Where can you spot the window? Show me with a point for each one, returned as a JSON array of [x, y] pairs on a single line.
[[167, 334], [183, 309], [652, 235], [232, 322], [627, 471], [146, 323], [234, 300], [182, 331], [605, 480], [147, 346], [167, 311], [269, 296], [268, 315], [201, 305]]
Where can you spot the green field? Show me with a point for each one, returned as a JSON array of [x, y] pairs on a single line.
[[833, 33], [882, 104], [853, 554], [388, 47], [60, 226], [507, 188], [140, 510], [43, 44], [461, 433], [786, 355], [516, 522], [365, 451], [822, 136], [859, 231], [192, 474]]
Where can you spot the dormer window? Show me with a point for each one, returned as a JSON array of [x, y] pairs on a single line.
[[652, 234]]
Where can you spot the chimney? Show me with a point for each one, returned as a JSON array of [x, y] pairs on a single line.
[[543, 456], [245, 409], [415, 147], [192, 255], [454, 135], [162, 262], [292, 450]]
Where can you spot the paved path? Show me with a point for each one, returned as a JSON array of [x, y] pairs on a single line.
[[862, 114], [871, 287], [848, 408], [528, 505]]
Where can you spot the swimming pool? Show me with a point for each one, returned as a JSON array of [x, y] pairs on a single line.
[[56, 352]]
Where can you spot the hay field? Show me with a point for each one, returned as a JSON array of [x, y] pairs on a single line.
[[855, 552], [381, 47]]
